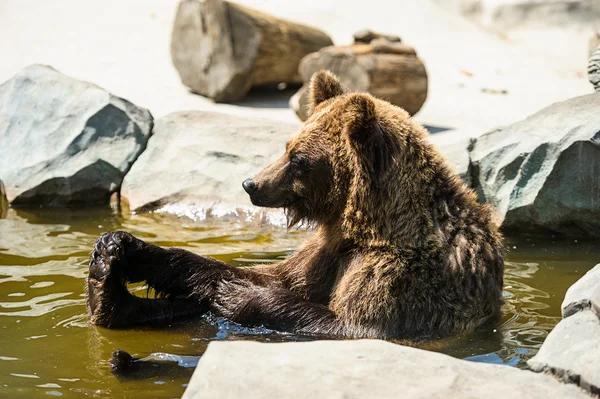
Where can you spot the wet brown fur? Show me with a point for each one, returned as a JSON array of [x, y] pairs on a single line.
[[401, 248]]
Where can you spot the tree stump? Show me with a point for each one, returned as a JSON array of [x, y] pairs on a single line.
[[384, 67], [222, 49]]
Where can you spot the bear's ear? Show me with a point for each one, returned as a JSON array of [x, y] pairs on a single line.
[[323, 86], [366, 135]]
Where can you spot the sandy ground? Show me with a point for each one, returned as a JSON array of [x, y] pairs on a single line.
[[123, 46]]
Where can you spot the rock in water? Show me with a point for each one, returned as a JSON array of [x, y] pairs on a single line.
[[358, 369], [594, 69], [196, 161], [66, 142], [543, 173], [571, 351], [584, 294]]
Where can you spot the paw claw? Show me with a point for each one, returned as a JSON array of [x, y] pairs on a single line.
[[112, 244], [98, 270]]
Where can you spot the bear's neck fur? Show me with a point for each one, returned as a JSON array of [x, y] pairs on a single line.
[[417, 201]]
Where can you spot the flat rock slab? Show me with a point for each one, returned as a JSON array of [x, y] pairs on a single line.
[[543, 174], [196, 161], [572, 351], [358, 369], [584, 294], [65, 142]]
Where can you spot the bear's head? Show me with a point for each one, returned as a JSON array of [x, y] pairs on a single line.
[[350, 164]]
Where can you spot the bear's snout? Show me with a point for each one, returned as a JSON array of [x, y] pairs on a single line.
[[249, 186]]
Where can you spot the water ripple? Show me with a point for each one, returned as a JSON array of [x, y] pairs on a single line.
[[40, 305]]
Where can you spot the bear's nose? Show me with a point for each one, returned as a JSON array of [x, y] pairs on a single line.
[[249, 186]]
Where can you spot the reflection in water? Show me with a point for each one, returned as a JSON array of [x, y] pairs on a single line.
[[47, 347], [525, 327]]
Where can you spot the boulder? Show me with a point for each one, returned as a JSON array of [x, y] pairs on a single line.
[[65, 142], [543, 173], [584, 294], [572, 351], [358, 369], [196, 161]]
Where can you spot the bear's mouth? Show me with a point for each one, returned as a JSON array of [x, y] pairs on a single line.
[[269, 202]]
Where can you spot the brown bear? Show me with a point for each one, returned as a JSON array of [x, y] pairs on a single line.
[[401, 247]]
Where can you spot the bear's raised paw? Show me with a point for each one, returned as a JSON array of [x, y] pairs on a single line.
[[105, 283]]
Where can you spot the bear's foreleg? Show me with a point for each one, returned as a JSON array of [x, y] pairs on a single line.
[[281, 309]]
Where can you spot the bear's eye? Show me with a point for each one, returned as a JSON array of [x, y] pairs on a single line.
[[299, 162]]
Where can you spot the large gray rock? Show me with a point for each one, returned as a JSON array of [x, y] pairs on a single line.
[[572, 351], [584, 294], [543, 173], [358, 369], [65, 142], [196, 161]]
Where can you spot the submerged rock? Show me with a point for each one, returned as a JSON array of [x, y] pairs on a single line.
[[358, 369], [196, 161], [543, 173], [65, 142]]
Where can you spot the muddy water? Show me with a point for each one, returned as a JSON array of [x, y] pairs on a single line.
[[47, 347]]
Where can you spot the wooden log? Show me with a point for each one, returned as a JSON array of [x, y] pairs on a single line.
[[388, 70], [222, 49], [367, 36]]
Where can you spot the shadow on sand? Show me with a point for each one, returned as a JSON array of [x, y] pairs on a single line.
[[270, 96]]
